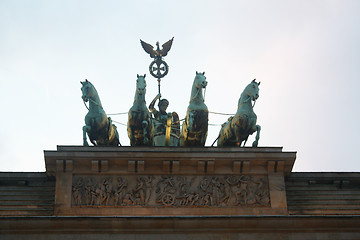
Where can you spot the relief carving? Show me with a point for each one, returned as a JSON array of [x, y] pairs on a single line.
[[170, 191]]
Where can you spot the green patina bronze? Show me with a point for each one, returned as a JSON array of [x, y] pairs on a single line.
[[166, 125], [139, 126], [158, 68], [161, 68], [163, 129], [238, 128], [99, 127], [195, 127]]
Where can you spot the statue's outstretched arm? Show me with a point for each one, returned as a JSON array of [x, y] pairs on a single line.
[[151, 106]]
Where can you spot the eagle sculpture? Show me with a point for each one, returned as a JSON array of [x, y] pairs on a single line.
[[157, 54]]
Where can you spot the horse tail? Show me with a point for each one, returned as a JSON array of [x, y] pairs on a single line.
[[112, 137]]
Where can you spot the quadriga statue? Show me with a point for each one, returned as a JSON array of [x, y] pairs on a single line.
[[98, 126], [139, 126], [238, 128], [195, 127]]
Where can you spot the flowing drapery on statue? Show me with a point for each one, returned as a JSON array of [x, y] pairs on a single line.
[[139, 126], [195, 127], [166, 125], [98, 126], [238, 128]]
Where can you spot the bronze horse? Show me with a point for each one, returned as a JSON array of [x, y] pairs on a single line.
[[98, 126], [195, 127], [238, 128], [139, 126]]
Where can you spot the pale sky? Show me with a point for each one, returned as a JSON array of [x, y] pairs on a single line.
[[305, 53]]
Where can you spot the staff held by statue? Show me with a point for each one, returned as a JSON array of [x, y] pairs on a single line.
[[158, 68]]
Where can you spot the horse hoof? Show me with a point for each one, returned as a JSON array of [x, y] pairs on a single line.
[[86, 144], [255, 144]]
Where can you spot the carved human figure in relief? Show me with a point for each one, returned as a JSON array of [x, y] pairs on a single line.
[[91, 195], [242, 190], [120, 192], [77, 191], [227, 191], [144, 188], [167, 191], [129, 199], [215, 198]]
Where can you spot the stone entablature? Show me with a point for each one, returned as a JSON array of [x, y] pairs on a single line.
[[163, 160], [164, 181]]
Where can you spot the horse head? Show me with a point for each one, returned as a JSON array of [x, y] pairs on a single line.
[[252, 90], [141, 85], [200, 80], [88, 90]]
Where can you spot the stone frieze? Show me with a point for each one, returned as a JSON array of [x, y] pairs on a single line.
[[170, 191]]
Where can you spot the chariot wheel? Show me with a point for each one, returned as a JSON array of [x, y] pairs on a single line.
[[168, 199], [158, 68]]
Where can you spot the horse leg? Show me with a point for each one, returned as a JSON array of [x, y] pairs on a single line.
[[132, 139], [258, 129], [245, 141], [191, 122], [131, 135], [85, 130], [117, 138], [93, 142], [215, 140], [237, 130], [145, 134]]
